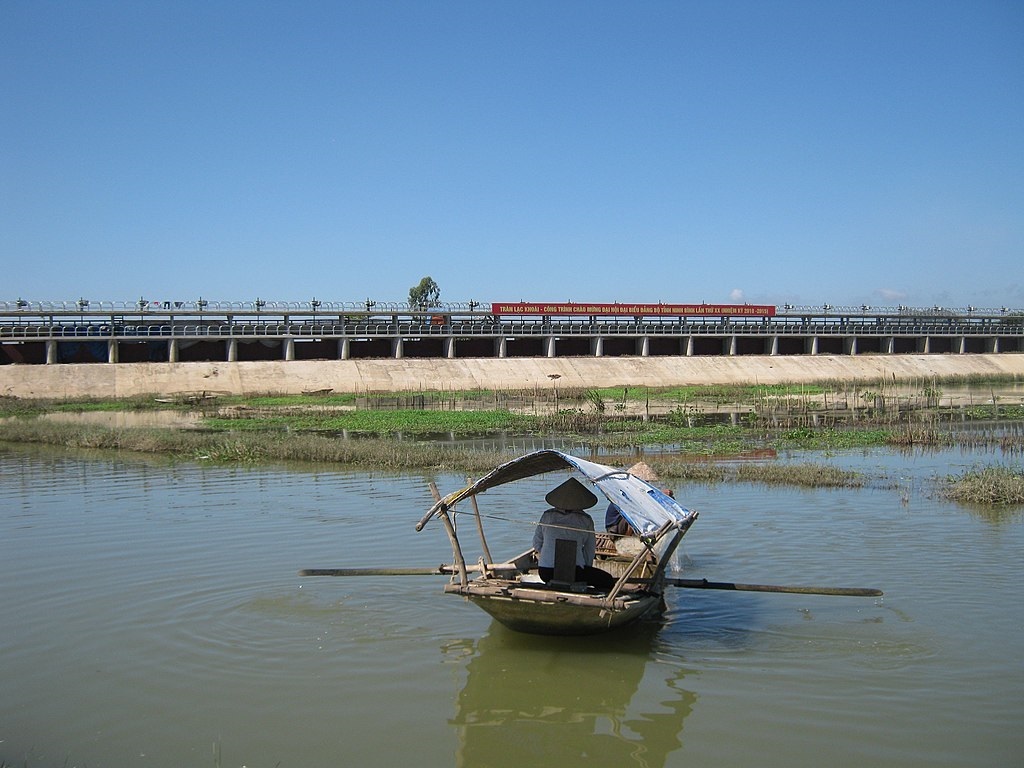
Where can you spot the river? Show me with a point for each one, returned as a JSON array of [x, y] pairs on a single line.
[[153, 616]]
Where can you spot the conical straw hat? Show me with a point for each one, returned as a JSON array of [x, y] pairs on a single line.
[[571, 494], [644, 472]]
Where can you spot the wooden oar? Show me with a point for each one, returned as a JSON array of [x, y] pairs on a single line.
[[728, 585], [447, 570], [439, 571]]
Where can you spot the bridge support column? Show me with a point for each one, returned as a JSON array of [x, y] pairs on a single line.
[[689, 346], [993, 345], [232, 350], [112, 351], [850, 345], [172, 351], [644, 346], [732, 344], [289, 349], [501, 347], [960, 345], [449, 347], [397, 349], [924, 346], [774, 349], [597, 346], [549, 346], [888, 345], [344, 349], [51, 352], [813, 345]]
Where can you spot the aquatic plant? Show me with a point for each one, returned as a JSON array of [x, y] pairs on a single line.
[[995, 485]]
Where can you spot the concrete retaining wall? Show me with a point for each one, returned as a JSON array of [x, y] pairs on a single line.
[[104, 380]]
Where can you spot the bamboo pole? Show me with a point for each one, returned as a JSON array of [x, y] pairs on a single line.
[[460, 561], [480, 528]]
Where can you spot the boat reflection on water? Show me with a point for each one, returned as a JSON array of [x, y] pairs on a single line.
[[533, 700]]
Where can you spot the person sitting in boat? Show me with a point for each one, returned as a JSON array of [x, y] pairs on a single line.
[[567, 520], [615, 523]]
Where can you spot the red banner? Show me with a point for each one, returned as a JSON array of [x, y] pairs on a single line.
[[633, 310]]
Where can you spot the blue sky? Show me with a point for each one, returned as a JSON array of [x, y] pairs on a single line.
[[762, 152]]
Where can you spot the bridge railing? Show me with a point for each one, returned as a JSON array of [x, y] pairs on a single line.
[[41, 327]]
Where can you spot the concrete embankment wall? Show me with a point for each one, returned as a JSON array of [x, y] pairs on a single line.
[[106, 380]]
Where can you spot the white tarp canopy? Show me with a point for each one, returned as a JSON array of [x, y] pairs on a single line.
[[646, 507]]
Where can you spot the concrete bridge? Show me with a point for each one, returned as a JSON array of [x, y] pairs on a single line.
[[50, 333]]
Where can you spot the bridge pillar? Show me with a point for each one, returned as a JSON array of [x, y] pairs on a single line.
[[232, 351], [501, 347], [993, 345], [397, 348], [924, 345], [689, 346], [289, 349], [812, 345], [549, 346], [112, 351], [888, 345], [850, 345], [449, 347], [732, 346], [644, 346], [597, 346], [774, 348], [960, 345], [172, 351], [344, 349], [51, 352]]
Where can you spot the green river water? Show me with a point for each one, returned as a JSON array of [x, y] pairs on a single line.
[[153, 616]]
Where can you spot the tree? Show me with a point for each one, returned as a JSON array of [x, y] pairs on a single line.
[[425, 294]]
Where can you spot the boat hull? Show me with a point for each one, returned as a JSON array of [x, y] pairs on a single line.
[[551, 612]]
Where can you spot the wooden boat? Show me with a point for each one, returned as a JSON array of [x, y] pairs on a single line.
[[512, 591]]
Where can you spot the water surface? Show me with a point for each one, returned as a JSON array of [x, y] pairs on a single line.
[[153, 617]]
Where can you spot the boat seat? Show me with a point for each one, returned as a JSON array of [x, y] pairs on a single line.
[[605, 544]]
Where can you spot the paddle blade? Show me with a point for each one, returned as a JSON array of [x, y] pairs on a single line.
[[799, 590]]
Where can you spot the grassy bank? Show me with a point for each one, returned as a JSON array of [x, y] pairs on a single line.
[[385, 454], [391, 431]]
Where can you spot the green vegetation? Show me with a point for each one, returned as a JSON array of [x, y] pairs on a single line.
[[673, 468], [405, 422], [254, 447], [682, 428], [996, 486], [426, 293]]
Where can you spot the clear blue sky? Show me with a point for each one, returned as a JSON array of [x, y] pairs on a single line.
[[845, 152]]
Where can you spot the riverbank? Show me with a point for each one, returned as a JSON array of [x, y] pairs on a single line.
[[121, 380]]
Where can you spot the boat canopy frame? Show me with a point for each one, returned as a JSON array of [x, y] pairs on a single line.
[[649, 510]]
